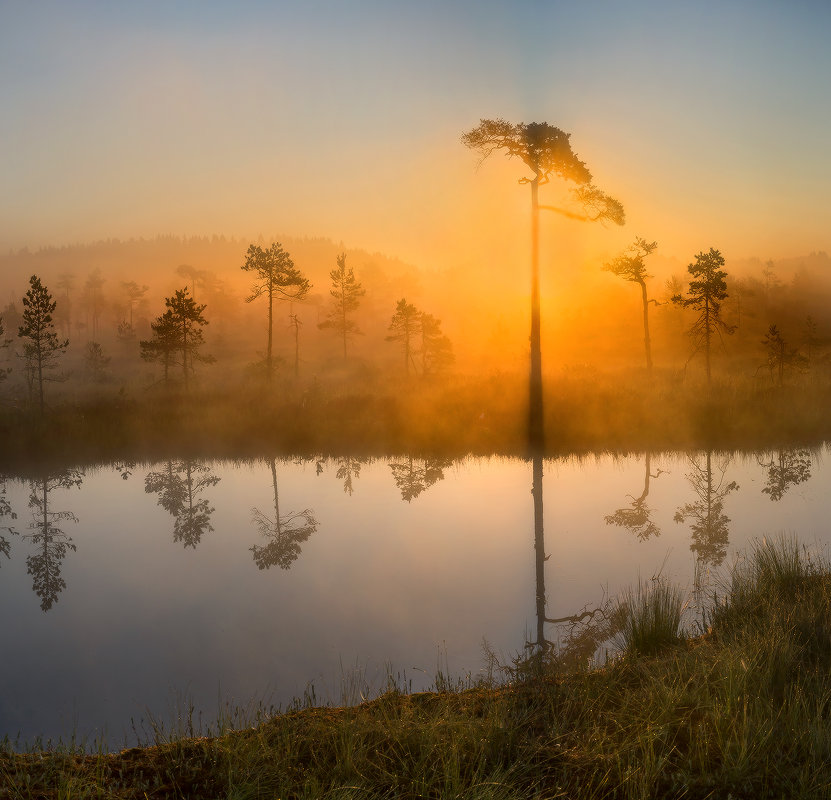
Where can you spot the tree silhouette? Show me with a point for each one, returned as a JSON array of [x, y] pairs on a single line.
[[404, 327], [135, 294], [284, 533], [708, 522], [779, 355], [92, 295], [413, 476], [43, 347], [637, 517], [436, 350], [6, 513], [178, 330], [810, 340], [346, 295], [629, 266], [164, 344], [296, 323], [51, 542], [349, 469], [66, 281], [194, 275], [276, 278], [707, 290], [178, 486], [4, 343], [96, 362], [789, 468], [545, 151]]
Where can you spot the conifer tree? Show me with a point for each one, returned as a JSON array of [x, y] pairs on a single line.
[[346, 297], [707, 291], [164, 344], [42, 348], [546, 151], [404, 327], [178, 330], [276, 278], [436, 350]]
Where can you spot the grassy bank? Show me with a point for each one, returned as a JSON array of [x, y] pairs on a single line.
[[451, 418], [742, 711]]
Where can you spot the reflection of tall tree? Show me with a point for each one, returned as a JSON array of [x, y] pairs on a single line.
[[50, 542], [637, 517], [348, 469], [284, 534], [708, 522], [789, 468], [413, 476], [580, 634], [539, 547], [178, 486]]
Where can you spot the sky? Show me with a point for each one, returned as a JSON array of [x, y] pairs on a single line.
[[709, 121]]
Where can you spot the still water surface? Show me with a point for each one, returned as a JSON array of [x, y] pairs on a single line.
[[129, 589]]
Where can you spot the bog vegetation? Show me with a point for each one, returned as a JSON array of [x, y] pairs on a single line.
[[331, 350]]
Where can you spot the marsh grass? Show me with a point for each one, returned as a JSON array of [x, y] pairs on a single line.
[[743, 711], [651, 614], [450, 417]]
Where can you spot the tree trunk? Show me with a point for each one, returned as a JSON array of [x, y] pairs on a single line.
[[40, 377], [707, 336], [268, 363], [343, 320], [535, 408], [646, 340]]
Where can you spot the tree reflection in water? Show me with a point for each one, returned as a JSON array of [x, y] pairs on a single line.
[[6, 515], [349, 469], [413, 476], [50, 542], [789, 468], [707, 520], [284, 534], [579, 635], [178, 486], [637, 517]]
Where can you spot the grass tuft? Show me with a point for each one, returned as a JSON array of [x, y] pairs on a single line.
[[651, 618]]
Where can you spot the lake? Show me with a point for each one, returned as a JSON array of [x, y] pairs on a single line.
[[129, 591]]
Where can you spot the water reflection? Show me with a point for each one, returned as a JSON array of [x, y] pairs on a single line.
[[178, 486], [284, 534], [637, 516], [787, 469], [414, 475], [708, 522], [6, 515], [50, 542], [579, 635], [349, 469]]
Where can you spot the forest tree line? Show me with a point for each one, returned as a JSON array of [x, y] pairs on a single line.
[[111, 330]]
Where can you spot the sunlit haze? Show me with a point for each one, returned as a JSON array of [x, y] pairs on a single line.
[[708, 121]]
